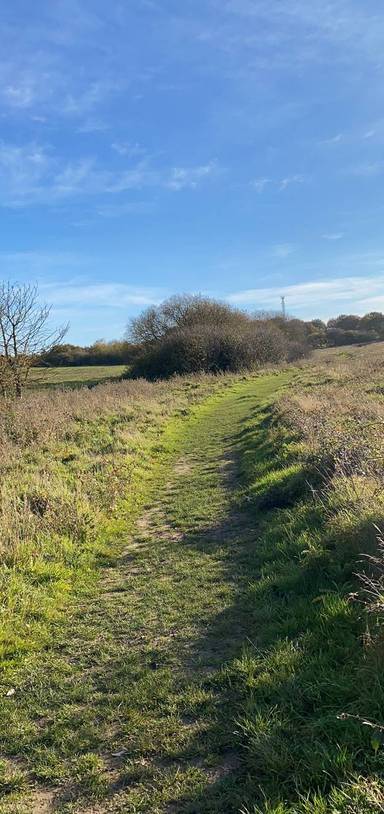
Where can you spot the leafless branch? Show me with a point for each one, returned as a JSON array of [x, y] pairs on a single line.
[[25, 333]]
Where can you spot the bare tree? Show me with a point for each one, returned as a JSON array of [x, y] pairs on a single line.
[[182, 311], [25, 333]]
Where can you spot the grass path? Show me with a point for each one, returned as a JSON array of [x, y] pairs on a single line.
[[134, 712]]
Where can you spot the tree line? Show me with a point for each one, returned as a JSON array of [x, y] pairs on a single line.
[[116, 352], [346, 329], [184, 334]]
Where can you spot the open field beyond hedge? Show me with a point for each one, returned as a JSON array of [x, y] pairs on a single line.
[[48, 377]]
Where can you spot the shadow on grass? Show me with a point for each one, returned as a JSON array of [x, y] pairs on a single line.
[[72, 384], [269, 675], [287, 657]]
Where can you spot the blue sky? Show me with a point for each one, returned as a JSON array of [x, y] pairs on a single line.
[[231, 147]]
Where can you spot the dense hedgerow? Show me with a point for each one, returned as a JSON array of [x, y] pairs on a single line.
[[195, 334]]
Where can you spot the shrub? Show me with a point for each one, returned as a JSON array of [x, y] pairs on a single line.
[[196, 334], [211, 349], [183, 312]]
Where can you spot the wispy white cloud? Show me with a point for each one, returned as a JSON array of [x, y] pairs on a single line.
[[44, 82], [22, 93], [85, 296], [282, 250], [33, 264], [121, 210], [280, 184], [235, 38], [356, 136], [34, 174], [82, 93], [291, 179], [190, 177], [329, 142], [64, 283], [92, 125], [81, 102], [318, 296], [27, 81], [324, 298], [22, 171], [260, 184], [129, 149], [108, 303], [370, 169], [343, 25]]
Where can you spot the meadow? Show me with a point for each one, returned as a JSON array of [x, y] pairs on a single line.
[[192, 593], [72, 377]]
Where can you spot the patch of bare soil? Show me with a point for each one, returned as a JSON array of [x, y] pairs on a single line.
[[43, 802], [182, 467]]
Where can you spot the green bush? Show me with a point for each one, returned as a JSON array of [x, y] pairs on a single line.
[[193, 334]]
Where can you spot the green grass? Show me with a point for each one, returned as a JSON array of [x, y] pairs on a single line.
[[207, 672], [72, 377], [306, 665]]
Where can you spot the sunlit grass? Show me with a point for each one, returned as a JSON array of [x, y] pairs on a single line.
[[229, 660], [49, 377]]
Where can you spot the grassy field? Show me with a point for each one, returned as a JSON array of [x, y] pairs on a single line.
[[72, 377], [183, 626]]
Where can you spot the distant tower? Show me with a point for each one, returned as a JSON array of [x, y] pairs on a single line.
[[283, 307]]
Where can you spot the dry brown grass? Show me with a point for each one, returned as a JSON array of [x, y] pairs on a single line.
[[337, 414], [51, 460], [45, 416]]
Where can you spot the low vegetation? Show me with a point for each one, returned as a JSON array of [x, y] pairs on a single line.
[[192, 585], [310, 677], [71, 470], [73, 377]]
